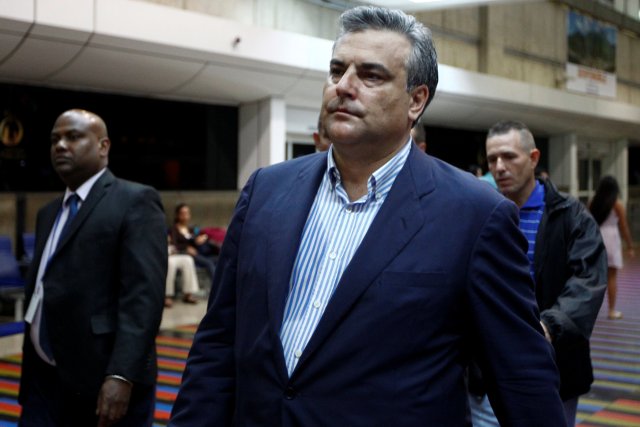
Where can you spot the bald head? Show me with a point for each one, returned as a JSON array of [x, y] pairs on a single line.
[[94, 122], [79, 146]]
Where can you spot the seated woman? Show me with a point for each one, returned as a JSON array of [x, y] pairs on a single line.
[[187, 241], [190, 285]]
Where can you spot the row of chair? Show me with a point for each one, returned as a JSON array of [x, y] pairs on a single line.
[[12, 271]]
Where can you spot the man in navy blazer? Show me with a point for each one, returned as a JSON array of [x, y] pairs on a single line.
[[95, 290], [354, 285]]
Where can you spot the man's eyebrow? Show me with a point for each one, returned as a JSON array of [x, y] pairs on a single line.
[[367, 66], [375, 66]]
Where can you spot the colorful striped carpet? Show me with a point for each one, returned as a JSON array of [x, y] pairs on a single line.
[[173, 346], [614, 399]]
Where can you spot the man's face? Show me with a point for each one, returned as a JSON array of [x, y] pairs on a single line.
[[365, 98], [511, 165], [77, 152]]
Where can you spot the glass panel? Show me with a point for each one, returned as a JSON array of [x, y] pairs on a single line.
[[583, 174], [597, 174]]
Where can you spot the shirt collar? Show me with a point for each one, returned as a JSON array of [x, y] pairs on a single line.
[[83, 190], [536, 198], [379, 183]]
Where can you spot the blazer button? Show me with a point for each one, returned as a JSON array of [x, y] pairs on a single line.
[[290, 393]]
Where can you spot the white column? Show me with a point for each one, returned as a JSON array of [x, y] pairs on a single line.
[[262, 136], [618, 166], [563, 162]]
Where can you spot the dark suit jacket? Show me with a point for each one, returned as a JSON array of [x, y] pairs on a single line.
[[104, 286], [441, 273]]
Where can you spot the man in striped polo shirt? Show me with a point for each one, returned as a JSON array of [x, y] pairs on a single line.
[[567, 263]]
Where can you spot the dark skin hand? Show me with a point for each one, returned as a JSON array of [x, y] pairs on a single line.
[[113, 401]]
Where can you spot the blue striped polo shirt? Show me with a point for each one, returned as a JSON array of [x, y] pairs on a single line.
[[530, 216], [333, 231]]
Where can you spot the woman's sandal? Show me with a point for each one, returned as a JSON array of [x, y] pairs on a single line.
[[615, 314]]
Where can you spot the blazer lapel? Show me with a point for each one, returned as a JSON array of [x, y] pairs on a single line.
[[285, 231], [98, 190], [397, 222]]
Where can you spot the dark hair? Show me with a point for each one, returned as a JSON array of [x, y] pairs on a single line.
[[422, 64], [604, 199], [177, 210], [474, 169], [506, 126]]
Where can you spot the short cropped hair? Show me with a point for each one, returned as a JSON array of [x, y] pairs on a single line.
[[505, 126]]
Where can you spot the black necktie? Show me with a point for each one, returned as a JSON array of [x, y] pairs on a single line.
[[45, 343]]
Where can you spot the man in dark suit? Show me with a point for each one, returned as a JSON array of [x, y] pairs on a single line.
[[354, 285], [95, 290]]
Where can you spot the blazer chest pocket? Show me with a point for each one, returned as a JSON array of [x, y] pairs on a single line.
[[103, 324], [408, 300]]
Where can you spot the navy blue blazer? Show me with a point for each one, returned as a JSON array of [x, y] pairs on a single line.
[[440, 275]]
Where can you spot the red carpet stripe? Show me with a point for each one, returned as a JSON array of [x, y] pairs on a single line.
[[8, 388], [9, 370], [172, 352], [10, 409]]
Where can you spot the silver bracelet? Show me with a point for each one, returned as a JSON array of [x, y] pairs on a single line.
[[120, 378]]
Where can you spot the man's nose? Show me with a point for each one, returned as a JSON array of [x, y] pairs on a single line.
[[346, 86], [60, 144]]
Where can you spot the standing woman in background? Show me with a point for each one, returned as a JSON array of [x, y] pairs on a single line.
[[610, 215]]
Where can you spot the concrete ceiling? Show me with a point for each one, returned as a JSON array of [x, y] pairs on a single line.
[[226, 63], [422, 5]]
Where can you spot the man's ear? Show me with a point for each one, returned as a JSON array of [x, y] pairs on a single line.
[[105, 145], [419, 97], [534, 155]]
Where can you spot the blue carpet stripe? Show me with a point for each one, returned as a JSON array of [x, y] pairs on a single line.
[[628, 368]]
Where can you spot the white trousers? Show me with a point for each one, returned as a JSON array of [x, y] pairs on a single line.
[[187, 267]]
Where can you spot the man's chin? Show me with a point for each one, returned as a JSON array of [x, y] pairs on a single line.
[[344, 135], [505, 190], [63, 169]]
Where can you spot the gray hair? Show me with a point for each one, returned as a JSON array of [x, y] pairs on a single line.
[[422, 63]]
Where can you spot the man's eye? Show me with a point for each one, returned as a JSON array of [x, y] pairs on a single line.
[[335, 73]]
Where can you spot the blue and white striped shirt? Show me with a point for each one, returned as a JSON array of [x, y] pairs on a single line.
[[333, 231], [530, 216]]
